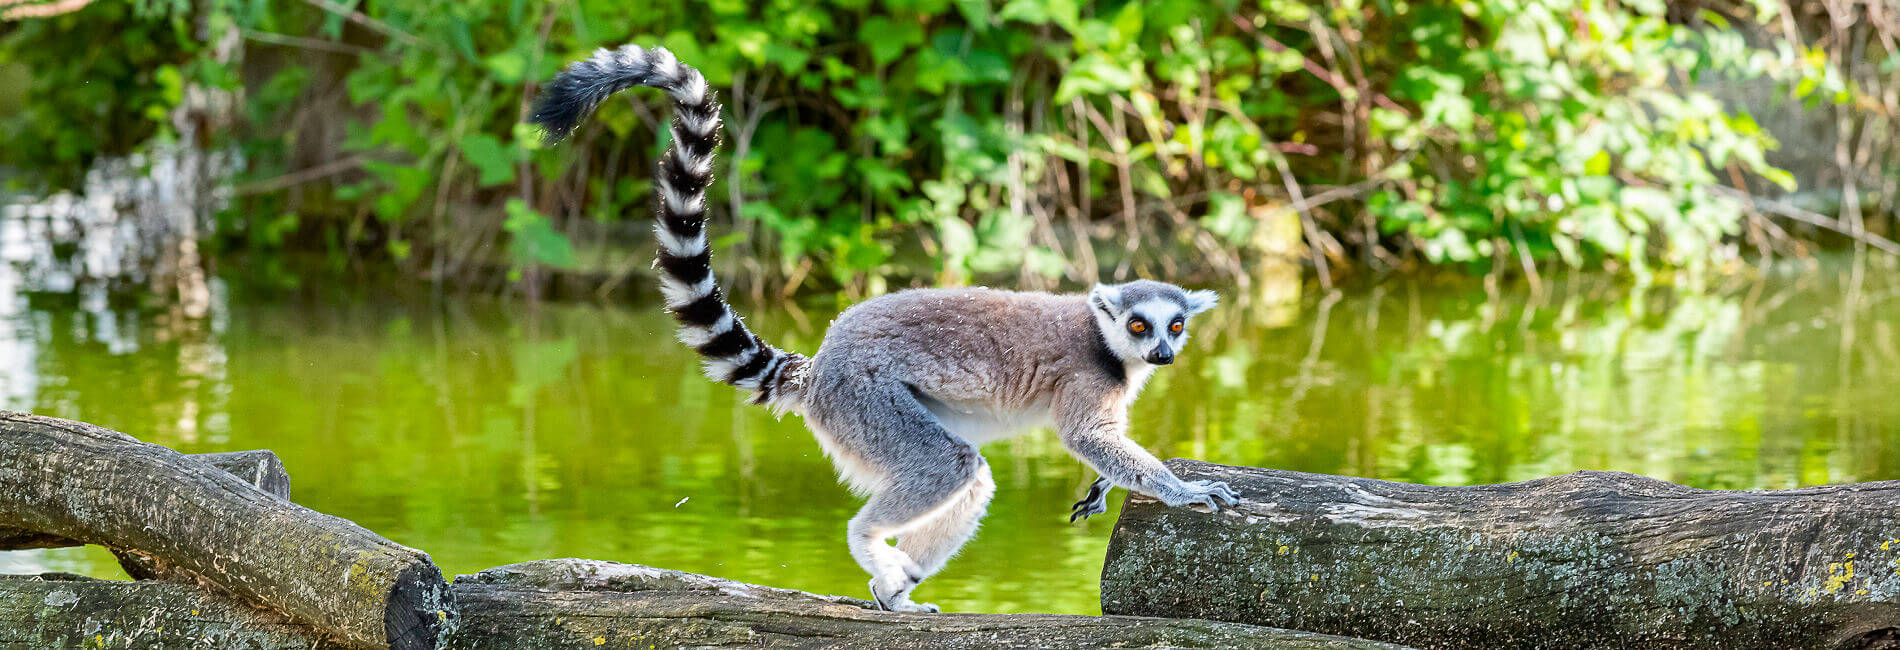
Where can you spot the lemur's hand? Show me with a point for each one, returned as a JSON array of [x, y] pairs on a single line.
[[1212, 494], [1094, 504]]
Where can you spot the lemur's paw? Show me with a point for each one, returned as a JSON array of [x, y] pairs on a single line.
[[1094, 504], [1085, 509], [896, 600], [1212, 495]]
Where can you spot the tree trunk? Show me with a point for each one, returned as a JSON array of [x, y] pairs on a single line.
[[1591, 559], [96, 486], [584, 604]]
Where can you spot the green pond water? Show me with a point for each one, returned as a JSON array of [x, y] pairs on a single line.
[[487, 431]]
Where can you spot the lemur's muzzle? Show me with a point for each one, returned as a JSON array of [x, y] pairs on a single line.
[[1162, 355]]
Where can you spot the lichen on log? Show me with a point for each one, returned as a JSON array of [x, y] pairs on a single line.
[[1591, 559]]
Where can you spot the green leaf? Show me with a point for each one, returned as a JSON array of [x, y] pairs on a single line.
[[889, 38], [508, 67], [495, 161], [1779, 177], [1094, 74], [1034, 12], [1127, 26], [460, 36], [535, 241]]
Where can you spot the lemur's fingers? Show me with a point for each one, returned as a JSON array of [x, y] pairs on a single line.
[[1224, 493], [1094, 504], [1218, 489], [1087, 508], [1213, 494]]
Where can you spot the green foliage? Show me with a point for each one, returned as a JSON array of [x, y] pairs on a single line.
[[980, 134], [1577, 130], [85, 98]]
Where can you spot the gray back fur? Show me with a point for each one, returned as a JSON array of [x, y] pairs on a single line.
[[981, 363]]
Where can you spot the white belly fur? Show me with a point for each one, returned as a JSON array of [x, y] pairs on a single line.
[[978, 423]]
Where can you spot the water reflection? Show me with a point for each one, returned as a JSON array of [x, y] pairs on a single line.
[[488, 432]]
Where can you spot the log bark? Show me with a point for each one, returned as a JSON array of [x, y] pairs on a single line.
[[258, 467], [587, 604], [539, 604], [1591, 559], [96, 486], [262, 469], [65, 611]]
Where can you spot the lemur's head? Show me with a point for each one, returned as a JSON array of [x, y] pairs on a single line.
[[1146, 321]]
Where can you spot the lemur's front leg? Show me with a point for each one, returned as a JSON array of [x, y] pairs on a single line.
[[1097, 435]]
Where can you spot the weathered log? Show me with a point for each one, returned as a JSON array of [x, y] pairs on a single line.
[[539, 604], [1591, 559], [258, 467], [586, 604], [63, 611], [97, 486], [261, 468]]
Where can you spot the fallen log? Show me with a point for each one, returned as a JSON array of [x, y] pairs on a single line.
[[586, 604], [1591, 559], [258, 467], [558, 603], [65, 611], [85, 483]]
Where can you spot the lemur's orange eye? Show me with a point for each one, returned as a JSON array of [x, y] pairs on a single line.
[[1175, 327], [1137, 326]]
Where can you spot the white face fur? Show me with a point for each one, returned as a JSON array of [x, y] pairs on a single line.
[[1145, 321]]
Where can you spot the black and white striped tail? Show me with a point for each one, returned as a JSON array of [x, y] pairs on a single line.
[[732, 353]]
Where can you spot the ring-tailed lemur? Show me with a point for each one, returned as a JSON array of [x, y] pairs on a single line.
[[906, 386]]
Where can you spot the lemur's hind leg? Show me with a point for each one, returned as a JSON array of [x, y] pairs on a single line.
[[931, 487], [932, 542], [931, 511]]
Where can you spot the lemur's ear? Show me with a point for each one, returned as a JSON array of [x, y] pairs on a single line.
[[1107, 299], [1201, 300]]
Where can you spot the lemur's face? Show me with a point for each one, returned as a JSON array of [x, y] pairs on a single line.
[[1146, 321]]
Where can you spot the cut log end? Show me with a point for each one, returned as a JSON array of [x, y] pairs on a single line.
[[421, 609]]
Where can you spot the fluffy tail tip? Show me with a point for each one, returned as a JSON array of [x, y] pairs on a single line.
[[558, 111]]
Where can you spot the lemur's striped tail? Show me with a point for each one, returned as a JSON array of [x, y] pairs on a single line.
[[732, 353]]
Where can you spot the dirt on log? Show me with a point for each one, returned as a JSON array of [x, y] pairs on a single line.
[[1591, 559], [85, 483], [588, 604]]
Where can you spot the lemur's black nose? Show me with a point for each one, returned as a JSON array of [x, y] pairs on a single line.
[[1161, 358]]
